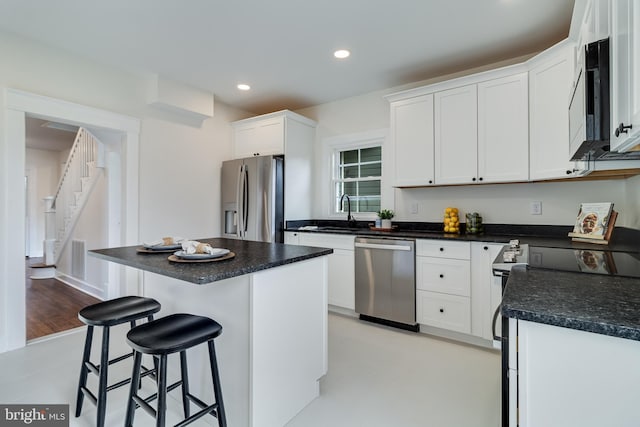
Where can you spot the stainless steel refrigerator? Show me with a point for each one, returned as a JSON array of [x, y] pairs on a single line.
[[253, 199]]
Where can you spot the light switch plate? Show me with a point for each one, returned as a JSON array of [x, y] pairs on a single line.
[[535, 208], [413, 208]]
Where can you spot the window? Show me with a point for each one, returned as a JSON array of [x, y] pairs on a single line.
[[357, 173]]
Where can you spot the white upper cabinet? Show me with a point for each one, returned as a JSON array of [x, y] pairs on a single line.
[[625, 75], [456, 135], [288, 133], [412, 139], [503, 131], [261, 137], [482, 133], [549, 91]]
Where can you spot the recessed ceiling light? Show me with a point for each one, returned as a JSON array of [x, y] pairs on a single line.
[[341, 54], [243, 86]]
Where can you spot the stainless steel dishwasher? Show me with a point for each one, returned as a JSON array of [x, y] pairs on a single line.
[[386, 281]]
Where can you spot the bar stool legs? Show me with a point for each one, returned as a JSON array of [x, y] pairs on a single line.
[[217, 390], [168, 335], [106, 314]]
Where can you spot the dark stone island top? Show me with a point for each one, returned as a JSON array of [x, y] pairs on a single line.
[[250, 257], [604, 304]]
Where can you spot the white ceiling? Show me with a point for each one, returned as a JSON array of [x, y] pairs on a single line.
[[283, 48]]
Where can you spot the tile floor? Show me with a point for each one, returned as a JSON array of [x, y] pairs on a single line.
[[377, 377]]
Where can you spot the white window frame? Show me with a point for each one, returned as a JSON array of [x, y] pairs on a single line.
[[353, 142]]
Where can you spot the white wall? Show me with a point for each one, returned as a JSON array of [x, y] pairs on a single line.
[[42, 170], [179, 161], [632, 213], [92, 227]]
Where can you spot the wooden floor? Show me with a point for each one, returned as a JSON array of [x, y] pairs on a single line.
[[52, 306]]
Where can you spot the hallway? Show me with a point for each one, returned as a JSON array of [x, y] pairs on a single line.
[[52, 306]]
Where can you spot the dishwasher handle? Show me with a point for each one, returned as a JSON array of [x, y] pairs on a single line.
[[383, 246]]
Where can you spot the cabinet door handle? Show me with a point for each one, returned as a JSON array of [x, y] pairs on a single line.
[[430, 182], [442, 276], [441, 249], [441, 310], [473, 179], [623, 129], [480, 179], [486, 248]]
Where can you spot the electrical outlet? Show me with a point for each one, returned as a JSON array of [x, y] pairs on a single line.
[[535, 208], [413, 208]]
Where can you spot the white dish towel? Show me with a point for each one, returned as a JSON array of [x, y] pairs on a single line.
[[195, 247]]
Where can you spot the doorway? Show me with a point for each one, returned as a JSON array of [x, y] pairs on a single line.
[[19, 105]]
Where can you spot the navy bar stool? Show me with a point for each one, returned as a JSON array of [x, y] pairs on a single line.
[[168, 335], [106, 314]]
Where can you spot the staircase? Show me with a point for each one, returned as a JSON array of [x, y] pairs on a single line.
[[81, 172]]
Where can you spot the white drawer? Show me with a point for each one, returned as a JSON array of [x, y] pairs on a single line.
[[450, 312], [321, 240], [448, 276], [443, 249]]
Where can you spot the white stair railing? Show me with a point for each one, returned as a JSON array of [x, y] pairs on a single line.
[[81, 172]]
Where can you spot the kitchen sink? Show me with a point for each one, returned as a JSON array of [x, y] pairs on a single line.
[[343, 229]]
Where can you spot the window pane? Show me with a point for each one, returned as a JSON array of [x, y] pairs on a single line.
[[369, 188], [350, 172], [350, 188], [359, 166], [350, 156], [374, 169], [373, 154]]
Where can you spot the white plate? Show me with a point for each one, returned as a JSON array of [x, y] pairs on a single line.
[[218, 252], [163, 247]]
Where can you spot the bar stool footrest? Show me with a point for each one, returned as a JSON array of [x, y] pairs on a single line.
[[92, 398], [212, 409]]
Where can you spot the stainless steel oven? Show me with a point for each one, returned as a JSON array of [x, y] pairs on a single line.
[[385, 275], [509, 256]]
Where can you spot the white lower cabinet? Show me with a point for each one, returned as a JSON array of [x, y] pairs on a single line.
[[568, 377], [443, 285], [486, 290], [341, 264], [445, 311]]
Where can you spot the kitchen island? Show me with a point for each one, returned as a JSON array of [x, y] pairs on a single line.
[[271, 300]]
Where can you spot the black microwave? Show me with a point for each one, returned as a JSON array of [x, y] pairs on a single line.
[[590, 106]]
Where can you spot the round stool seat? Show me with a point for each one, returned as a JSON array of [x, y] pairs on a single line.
[[118, 310], [173, 333]]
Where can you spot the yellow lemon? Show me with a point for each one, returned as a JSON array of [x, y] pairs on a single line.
[[446, 229], [447, 220], [454, 210], [447, 210]]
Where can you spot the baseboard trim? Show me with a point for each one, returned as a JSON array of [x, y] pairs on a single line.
[[81, 285]]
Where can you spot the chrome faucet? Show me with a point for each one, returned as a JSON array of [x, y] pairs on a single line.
[[350, 219]]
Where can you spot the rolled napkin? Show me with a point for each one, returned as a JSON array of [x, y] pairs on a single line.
[[165, 241], [193, 247]]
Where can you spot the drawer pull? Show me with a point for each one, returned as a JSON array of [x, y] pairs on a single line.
[[442, 276], [441, 249], [441, 310]]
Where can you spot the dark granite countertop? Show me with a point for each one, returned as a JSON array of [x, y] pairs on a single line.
[[603, 304], [250, 257], [554, 236]]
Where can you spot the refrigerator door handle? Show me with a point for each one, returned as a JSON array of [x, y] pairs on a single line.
[[245, 201], [240, 199]]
